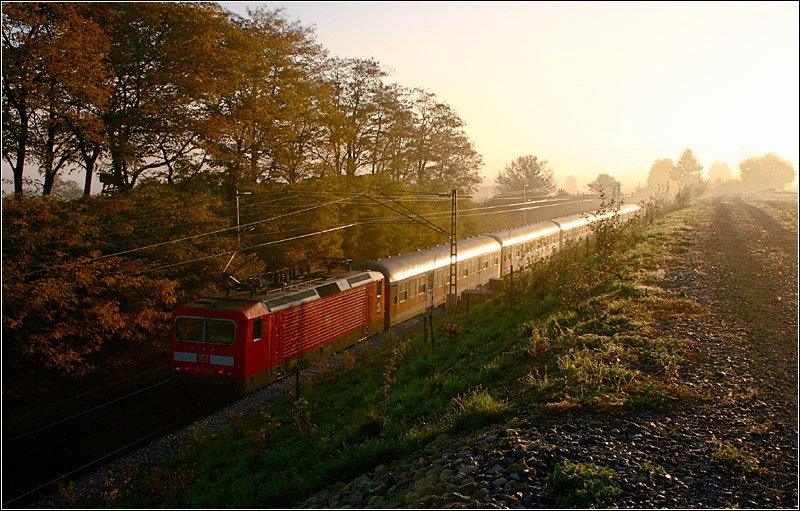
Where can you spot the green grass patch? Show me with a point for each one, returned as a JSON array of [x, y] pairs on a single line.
[[580, 485], [733, 458]]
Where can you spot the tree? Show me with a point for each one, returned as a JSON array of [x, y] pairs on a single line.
[[687, 172], [52, 67], [58, 317], [767, 171], [393, 149], [268, 120], [78, 277], [442, 153], [22, 24], [660, 173], [719, 172], [350, 115], [606, 184], [571, 185], [66, 189], [526, 172], [170, 63]]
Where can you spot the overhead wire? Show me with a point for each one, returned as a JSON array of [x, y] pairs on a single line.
[[186, 238], [110, 239], [346, 200], [229, 252], [302, 236]]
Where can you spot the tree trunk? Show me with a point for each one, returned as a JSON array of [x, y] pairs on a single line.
[[22, 145], [89, 161], [49, 158]]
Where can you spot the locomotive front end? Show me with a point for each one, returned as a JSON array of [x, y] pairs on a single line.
[[209, 336]]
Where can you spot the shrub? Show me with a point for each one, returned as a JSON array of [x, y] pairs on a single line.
[[580, 485], [369, 425], [733, 458], [475, 410]]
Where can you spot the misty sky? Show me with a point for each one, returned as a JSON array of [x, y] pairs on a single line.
[[591, 87]]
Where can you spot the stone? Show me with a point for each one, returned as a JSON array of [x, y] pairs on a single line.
[[467, 469], [445, 475]]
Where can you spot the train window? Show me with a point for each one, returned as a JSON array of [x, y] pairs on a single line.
[[379, 289], [359, 278], [257, 329], [220, 331], [189, 329], [394, 295], [328, 289], [422, 285], [403, 292]]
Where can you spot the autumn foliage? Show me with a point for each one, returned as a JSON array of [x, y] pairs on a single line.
[[69, 302], [91, 282]]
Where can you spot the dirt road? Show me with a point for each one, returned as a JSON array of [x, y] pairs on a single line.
[[743, 267]]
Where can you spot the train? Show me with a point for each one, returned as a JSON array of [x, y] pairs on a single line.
[[249, 338]]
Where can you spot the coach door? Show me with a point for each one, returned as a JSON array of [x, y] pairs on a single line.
[[430, 291], [259, 350], [391, 308]]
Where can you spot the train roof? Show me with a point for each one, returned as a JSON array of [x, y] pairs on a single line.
[[538, 230], [316, 291], [581, 219], [525, 233], [407, 265], [624, 210], [288, 296]]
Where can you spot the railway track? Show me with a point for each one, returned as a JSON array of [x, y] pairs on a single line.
[[38, 460]]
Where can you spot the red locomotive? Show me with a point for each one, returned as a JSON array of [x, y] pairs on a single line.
[[251, 339]]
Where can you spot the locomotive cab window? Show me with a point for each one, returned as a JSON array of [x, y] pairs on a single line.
[[220, 331], [216, 331], [189, 329]]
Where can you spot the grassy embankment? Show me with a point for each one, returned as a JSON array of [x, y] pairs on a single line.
[[572, 334]]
